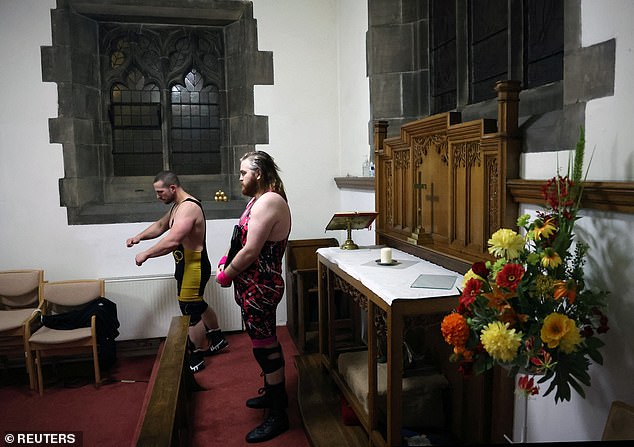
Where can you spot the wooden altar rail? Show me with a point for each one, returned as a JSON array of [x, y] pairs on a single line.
[[166, 419]]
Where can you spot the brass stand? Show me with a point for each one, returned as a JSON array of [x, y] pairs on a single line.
[[351, 220], [349, 243]]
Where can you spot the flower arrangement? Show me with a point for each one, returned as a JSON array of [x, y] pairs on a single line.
[[530, 310]]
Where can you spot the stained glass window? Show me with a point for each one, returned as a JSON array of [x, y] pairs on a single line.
[[164, 99], [195, 126], [136, 127]]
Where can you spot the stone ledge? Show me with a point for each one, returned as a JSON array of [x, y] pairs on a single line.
[[360, 183], [146, 212]]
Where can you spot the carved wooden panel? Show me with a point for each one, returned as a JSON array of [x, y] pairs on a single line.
[[440, 185]]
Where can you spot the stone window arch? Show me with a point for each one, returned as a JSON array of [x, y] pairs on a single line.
[[144, 87]]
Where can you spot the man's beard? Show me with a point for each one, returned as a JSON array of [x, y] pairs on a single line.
[[250, 189]]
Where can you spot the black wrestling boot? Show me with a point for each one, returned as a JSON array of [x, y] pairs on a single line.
[[261, 401], [217, 342], [276, 421], [264, 398], [196, 361], [275, 424]]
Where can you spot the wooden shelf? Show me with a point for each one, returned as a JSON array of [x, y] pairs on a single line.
[[604, 196]]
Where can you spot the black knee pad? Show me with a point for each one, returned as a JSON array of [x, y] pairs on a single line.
[[269, 359]]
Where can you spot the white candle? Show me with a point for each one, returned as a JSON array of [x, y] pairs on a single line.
[[386, 255]]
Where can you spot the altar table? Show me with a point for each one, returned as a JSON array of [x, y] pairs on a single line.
[[384, 290]]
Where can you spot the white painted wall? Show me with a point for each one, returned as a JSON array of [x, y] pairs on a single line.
[[318, 120], [609, 133], [319, 46]]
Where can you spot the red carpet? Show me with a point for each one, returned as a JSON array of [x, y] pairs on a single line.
[[230, 378], [108, 416]]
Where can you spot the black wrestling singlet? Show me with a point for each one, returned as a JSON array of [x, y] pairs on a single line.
[[193, 268]]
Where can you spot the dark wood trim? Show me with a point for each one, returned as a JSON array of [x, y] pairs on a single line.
[[604, 196], [361, 183]]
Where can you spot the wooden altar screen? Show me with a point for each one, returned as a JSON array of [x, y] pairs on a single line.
[[440, 193], [440, 185]]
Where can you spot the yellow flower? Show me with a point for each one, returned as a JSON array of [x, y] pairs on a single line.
[[500, 342], [560, 331], [551, 258], [570, 341], [544, 285], [544, 230], [506, 243], [471, 274]]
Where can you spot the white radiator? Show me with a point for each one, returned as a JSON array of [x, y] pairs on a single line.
[[146, 305]]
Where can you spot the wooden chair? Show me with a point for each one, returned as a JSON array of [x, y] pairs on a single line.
[[20, 296], [620, 423], [57, 298], [301, 278]]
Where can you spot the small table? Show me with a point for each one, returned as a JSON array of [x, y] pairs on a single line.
[[382, 290]]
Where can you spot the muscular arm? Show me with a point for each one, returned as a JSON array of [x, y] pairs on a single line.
[[184, 220], [153, 231]]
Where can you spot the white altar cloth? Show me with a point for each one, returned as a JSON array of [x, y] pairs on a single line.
[[390, 282]]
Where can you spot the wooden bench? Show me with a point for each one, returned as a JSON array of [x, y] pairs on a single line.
[[167, 417]]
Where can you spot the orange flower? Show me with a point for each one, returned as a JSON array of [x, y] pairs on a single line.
[[455, 330], [510, 316], [567, 289], [465, 354], [497, 299]]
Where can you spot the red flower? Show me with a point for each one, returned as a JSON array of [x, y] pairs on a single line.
[[480, 269], [471, 290], [587, 331], [557, 192], [510, 276], [603, 321], [466, 368], [529, 343], [544, 362], [527, 385]]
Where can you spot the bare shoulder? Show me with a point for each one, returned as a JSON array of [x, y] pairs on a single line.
[[188, 206], [271, 207], [189, 211], [271, 200], [273, 211]]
